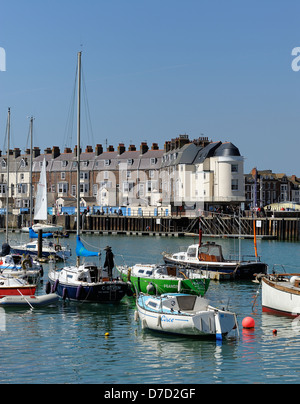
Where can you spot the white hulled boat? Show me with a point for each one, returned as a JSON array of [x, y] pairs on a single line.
[[281, 294], [183, 314]]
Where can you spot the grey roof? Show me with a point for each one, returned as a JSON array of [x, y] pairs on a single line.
[[207, 151], [227, 149]]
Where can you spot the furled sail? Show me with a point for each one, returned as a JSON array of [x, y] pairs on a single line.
[[40, 208], [81, 251]]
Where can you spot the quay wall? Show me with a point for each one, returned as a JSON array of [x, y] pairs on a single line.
[[284, 228]]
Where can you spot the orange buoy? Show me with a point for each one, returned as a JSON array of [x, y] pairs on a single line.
[[275, 332], [248, 322]]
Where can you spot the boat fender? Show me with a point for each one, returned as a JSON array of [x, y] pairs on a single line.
[[136, 315], [78, 292], [179, 285], [41, 271], [48, 288], [150, 288], [158, 321], [144, 323], [64, 293], [54, 289]]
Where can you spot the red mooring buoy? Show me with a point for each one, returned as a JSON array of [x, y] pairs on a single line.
[[248, 322]]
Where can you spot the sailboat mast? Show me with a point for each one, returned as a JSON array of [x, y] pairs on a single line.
[[7, 173], [78, 146], [30, 179]]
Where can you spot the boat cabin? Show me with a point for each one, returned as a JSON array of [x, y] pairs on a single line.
[[206, 252]]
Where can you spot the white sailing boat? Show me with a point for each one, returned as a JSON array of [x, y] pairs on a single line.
[[41, 207], [49, 248]]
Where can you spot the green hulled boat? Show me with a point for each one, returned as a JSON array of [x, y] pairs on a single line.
[[158, 279]]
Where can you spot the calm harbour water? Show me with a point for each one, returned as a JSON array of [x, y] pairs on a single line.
[[67, 343]]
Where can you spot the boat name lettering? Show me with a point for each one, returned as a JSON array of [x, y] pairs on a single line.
[[167, 319]]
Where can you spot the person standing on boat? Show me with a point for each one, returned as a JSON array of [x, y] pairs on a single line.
[[109, 261]]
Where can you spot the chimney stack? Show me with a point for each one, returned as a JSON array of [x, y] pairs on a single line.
[[35, 152], [17, 152], [167, 146], [55, 152], [144, 148], [98, 149], [121, 148], [89, 149]]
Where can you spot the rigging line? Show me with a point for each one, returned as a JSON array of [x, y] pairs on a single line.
[[90, 245], [69, 127], [87, 108]]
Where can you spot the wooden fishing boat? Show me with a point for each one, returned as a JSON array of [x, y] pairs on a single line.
[[185, 315], [281, 294], [159, 279], [208, 260]]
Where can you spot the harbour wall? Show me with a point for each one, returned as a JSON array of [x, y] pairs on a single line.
[[284, 228]]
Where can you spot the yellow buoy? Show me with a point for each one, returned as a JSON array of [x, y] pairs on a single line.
[[106, 334]]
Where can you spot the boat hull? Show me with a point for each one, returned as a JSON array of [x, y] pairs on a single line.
[[17, 290], [204, 324], [155, 286], [280, 298], [60, 254], [100, 292], [244, 270]]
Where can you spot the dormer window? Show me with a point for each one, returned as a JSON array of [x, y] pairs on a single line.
[[22, 163], [3, 163], [129, 162], [107, 162], [64, 163], [153, 161]]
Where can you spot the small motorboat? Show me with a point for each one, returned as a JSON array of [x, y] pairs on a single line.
[[182, 314], [49, 248], [19, 265], [159, 279], [208, 259]]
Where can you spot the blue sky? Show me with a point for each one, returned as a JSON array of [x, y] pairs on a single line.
[[154, 69]]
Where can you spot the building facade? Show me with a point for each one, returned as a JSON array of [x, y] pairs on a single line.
[[185, 177]]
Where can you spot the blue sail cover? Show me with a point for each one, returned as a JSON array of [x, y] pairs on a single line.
[[81, 251], [33, 234]]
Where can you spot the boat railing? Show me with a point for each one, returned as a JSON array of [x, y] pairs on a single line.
[[245, 258]]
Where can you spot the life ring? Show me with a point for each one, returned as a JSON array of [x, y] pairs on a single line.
[[57, 247]]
